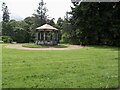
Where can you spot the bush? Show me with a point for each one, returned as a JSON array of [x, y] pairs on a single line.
[[7, 39]]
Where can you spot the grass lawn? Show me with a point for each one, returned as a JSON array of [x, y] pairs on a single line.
[[0, 65], [31, 45], [90, 67]]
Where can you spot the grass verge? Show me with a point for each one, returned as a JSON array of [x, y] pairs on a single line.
[[32, 45]]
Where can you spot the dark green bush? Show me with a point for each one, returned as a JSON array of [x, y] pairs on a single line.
[[7, 39]]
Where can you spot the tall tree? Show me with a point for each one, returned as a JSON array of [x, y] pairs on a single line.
[[96, 23], [65, 29], [6, 18], [30, 21], [40, 16], [6, 13], [60, 23]]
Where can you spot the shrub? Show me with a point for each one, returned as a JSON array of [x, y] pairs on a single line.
[[7, 39]]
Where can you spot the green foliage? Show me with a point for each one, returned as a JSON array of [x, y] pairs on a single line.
[[89, 67], [19, 31], [31, 28], [65, 30], [6, 17], [24, 31], [94, 24], [65, 38], [60, 23], [51, 22], [7, 39], [40, 15], [31, 45], [6, 13]]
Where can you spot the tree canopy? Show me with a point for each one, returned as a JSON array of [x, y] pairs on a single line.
[[6, 13], [24, 31], [94, 24]]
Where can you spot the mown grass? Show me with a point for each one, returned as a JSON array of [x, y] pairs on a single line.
[[31, 45], [90, 67], [0, 65]]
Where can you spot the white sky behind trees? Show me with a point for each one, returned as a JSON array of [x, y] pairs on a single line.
[[21, 9]]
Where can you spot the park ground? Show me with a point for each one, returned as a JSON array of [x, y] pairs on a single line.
[[88, 67]]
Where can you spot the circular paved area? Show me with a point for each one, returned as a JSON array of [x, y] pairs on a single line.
[[19, 46]]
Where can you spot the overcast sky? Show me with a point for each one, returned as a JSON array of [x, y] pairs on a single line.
[[23, 8]]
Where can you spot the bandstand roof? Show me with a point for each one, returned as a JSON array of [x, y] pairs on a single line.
[[46, 27]]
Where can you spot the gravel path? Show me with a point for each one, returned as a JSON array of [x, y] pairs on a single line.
[[19, 46]]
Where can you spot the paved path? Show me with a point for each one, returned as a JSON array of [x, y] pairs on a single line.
[[19, 46]]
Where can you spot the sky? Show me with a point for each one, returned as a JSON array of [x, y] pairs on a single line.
[[20, 9]]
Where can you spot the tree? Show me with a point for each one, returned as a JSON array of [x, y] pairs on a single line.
[[20, 31], [51, 22], [5, 26], [60, 23], [65, 29], [6, 13], [30, 28], [96, 23], [40, 16]]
